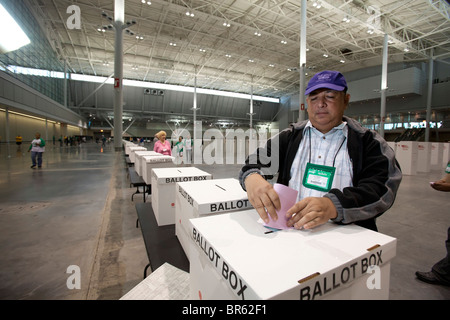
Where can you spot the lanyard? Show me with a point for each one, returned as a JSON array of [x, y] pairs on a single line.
[[334, 160]]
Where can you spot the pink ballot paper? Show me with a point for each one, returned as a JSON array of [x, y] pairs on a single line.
[[288, 197]]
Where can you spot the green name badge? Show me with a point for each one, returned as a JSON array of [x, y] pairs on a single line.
[[318, 177]]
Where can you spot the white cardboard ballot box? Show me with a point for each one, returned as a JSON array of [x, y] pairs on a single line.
[[202, 198], [164, 190], [138, 163], [128, 146], [150, 162], [406, 155], [132, 152], [233, 256]]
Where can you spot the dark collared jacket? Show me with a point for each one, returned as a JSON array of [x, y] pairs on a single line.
[[376, 172]]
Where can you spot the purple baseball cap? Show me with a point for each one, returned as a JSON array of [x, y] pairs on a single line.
[[326, 79]]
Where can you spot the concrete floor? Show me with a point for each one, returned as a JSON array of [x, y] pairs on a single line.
[[77, 211]]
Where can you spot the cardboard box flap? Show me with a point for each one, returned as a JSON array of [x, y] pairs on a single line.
[[215, 196]]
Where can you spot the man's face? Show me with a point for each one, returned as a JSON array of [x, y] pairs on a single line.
[[326, 108]]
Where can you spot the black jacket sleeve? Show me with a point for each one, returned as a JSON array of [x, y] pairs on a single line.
[[376, 179]]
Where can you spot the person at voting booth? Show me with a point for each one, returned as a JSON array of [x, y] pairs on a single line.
[[162, 145], [341, 170]]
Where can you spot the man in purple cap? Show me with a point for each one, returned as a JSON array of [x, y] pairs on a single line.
[[342, 171]]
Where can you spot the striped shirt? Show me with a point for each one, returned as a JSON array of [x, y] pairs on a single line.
[[322, 149]]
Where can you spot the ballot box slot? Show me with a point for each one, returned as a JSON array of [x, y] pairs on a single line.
[[311, 276], [373, 247], [220, 187]]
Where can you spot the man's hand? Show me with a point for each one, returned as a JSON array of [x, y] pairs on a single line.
[[262, 196], [311, 212]]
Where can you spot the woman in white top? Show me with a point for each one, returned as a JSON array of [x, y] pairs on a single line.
[[37, 148]]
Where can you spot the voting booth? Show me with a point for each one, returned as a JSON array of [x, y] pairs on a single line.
[[138, 163], [406, 155], [164, 190], [437, 152], [150, 162], [445, 154], [233, 256], [423, 156], [202, 198]]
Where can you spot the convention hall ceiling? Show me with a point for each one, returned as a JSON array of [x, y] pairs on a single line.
[[240, 46]]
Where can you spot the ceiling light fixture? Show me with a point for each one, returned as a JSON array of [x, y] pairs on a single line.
[[226, 24], [283, 41], [257, 33], [12, 36]]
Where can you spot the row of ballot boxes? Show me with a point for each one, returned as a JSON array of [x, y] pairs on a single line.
[[417, 156], [233, 255], [145, 160]]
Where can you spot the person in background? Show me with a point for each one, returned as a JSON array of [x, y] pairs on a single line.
[[342, 171], [37, 148], [440, 272], [162, 145], [188, 149], [18, 141], [179, 147]]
